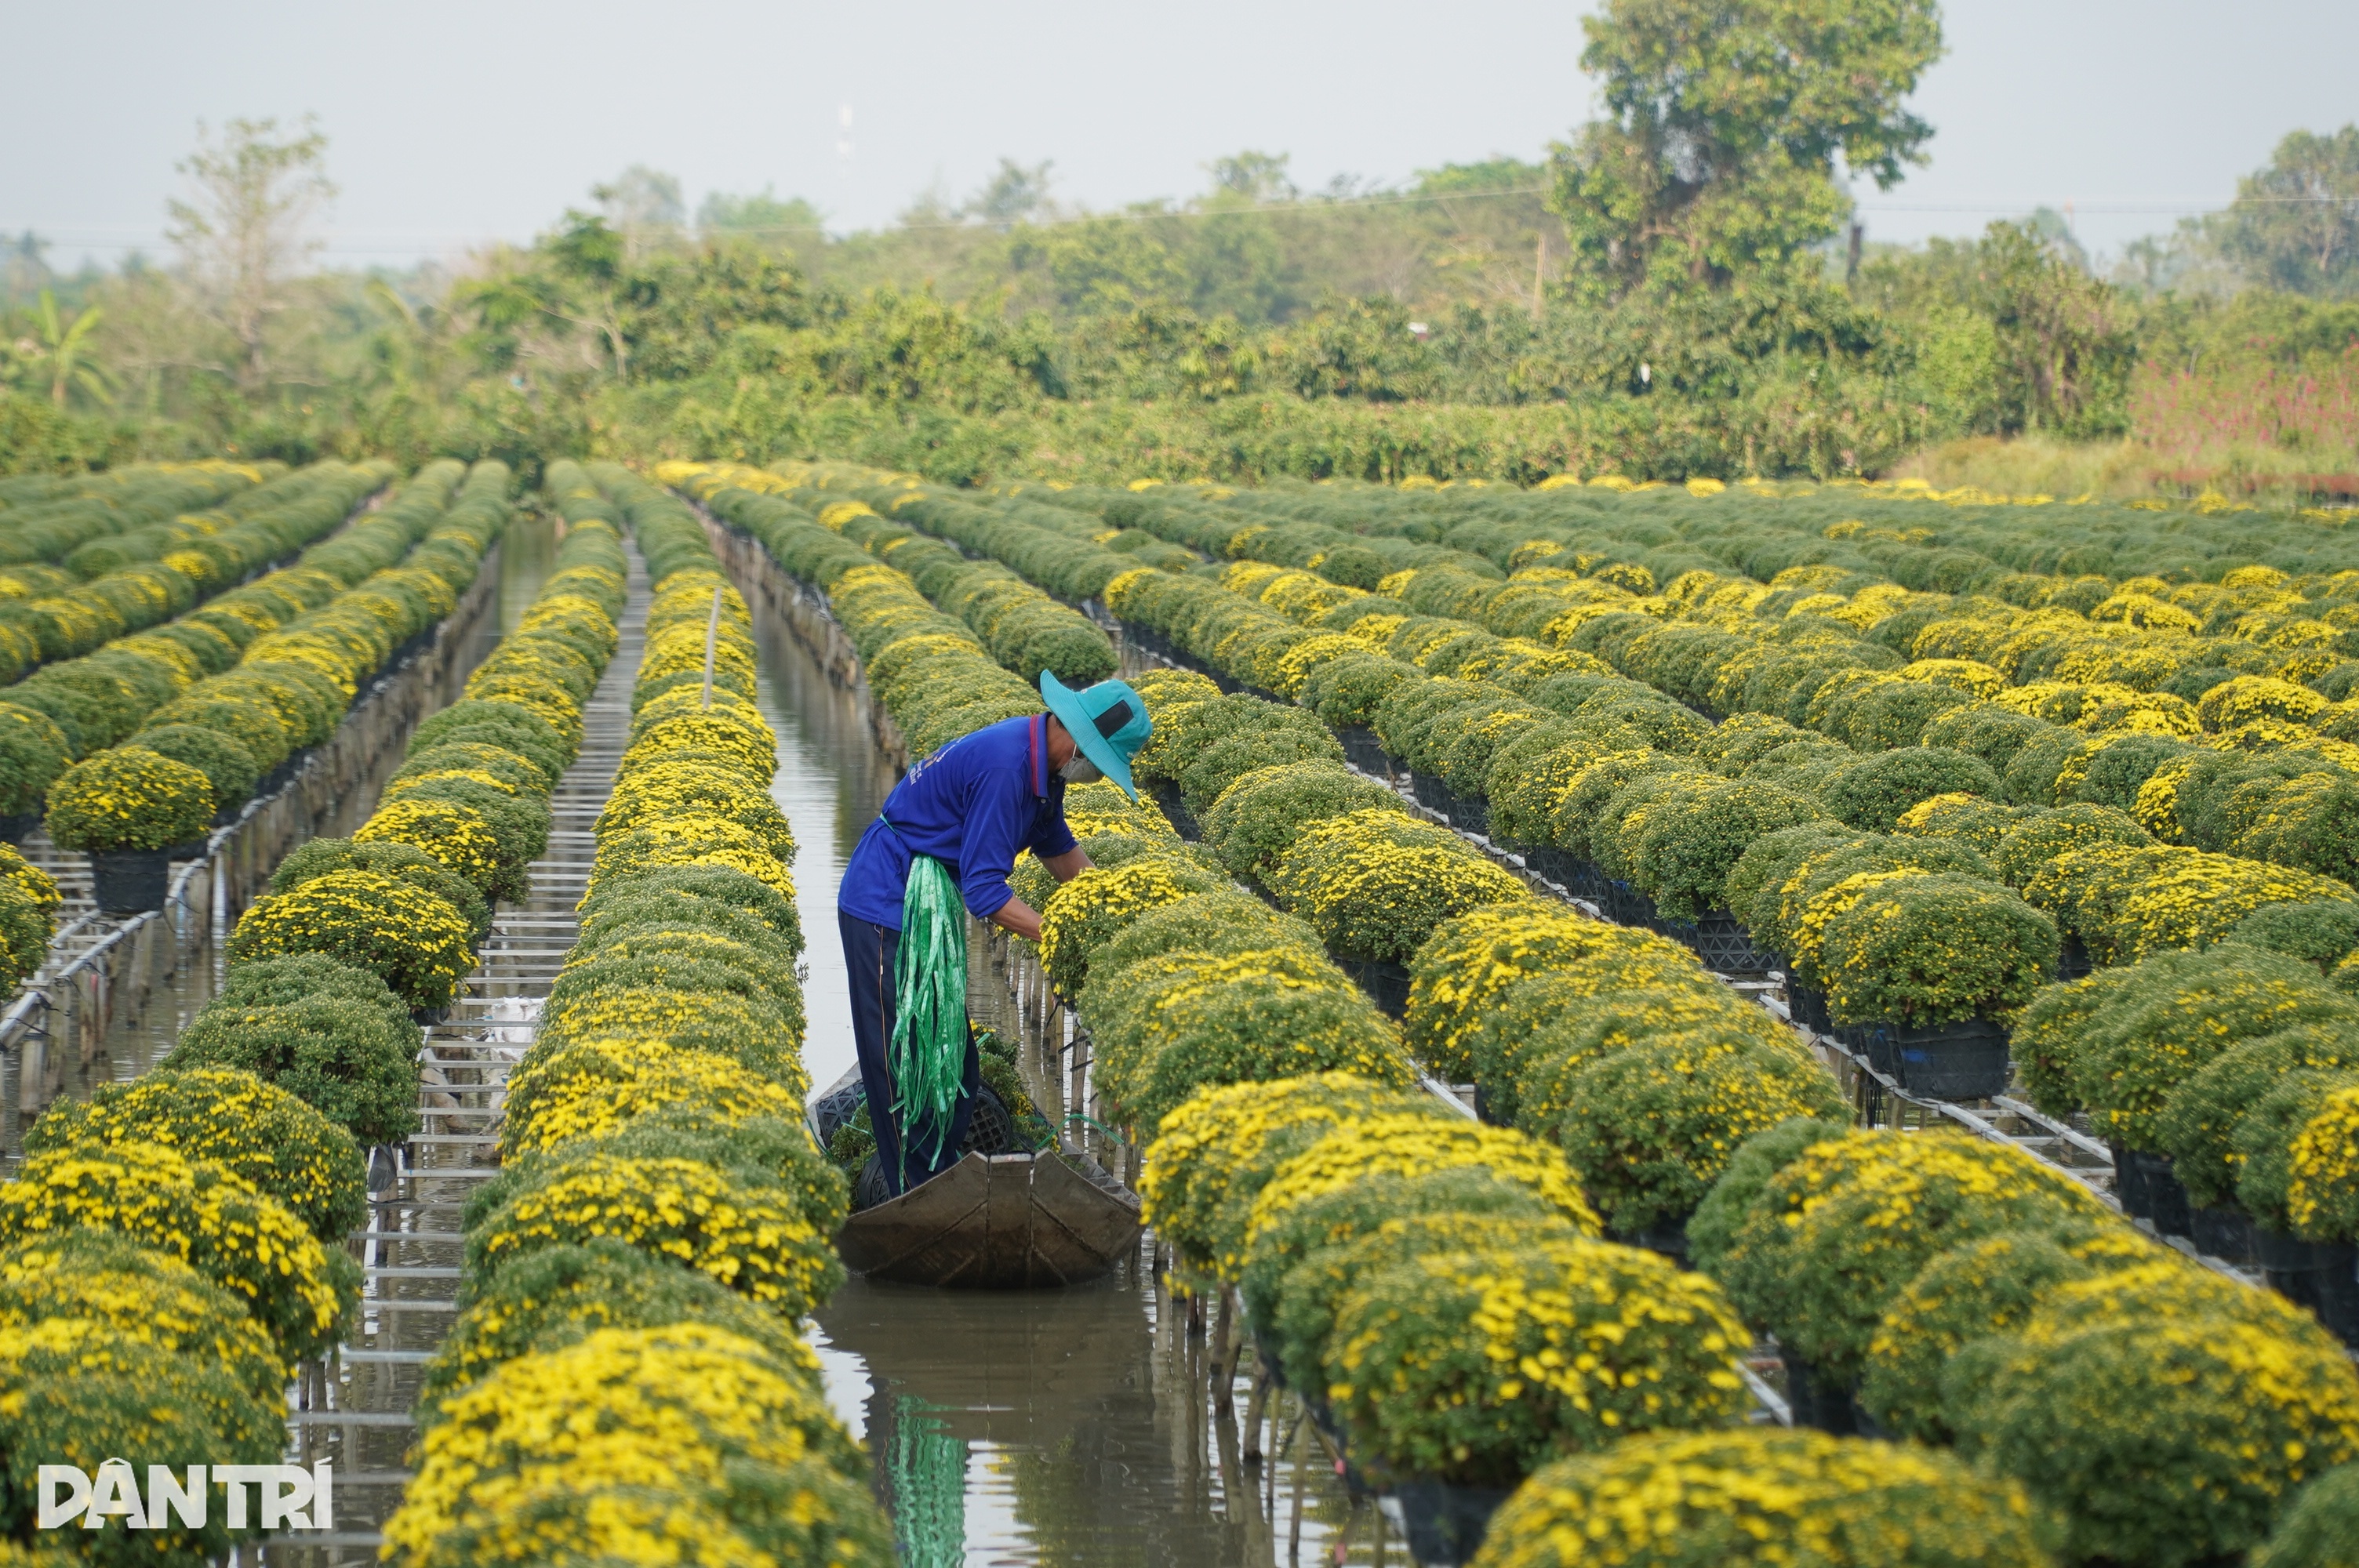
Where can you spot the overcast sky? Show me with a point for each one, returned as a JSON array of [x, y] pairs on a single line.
[[453, 123]]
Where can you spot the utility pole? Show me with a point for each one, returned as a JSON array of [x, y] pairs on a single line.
[[1851, 270]]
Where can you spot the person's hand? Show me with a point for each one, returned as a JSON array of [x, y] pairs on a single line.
[[1020, 917]]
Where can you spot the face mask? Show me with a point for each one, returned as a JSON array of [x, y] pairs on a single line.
[[1080, 770]]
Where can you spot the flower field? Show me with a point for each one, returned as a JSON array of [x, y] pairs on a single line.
[[1410, 972], [1929, 762]]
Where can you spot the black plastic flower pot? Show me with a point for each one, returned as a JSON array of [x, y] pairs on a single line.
[[1431, 791], [2073, 960], [1721, 944], [1967, 1060], [1364, 750], [427, 1017], [2222, 1233], [2166, 1197], [1445, 1524], [130, 882], [2291, 1266], [1669, 1239], [2338, 1289], [188, 849], [2129, 1183], [1471, 814], [1809, 1006], [1385, 981], [16, 824], [1816, 1400]]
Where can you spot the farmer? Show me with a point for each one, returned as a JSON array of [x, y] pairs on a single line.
[[948, 836]]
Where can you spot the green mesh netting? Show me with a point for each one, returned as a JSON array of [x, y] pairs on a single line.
[[928, 1055]]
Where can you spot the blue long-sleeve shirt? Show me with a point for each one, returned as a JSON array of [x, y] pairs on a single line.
[[975, 805]]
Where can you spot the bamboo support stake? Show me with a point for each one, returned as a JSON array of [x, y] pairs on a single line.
[[711, 636]]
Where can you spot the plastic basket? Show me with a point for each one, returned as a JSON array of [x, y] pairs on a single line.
[[1386, 982], [1445, 1524], [1721, 944]]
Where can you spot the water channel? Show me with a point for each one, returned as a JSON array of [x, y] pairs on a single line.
[[1064, 1427]]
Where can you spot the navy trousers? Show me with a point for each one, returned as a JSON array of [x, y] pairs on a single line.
[[868, 956]]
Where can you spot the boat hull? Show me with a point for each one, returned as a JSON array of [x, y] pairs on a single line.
[[997, 1222]]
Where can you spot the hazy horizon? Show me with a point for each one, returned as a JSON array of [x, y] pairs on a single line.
[[454, 126]]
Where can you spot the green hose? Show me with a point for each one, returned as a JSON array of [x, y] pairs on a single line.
[[927, 1055]]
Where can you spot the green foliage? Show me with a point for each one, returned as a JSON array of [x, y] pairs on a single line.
[[346, 1059]]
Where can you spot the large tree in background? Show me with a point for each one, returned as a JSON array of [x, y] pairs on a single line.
[[241, 238], [2295, 225], [1716, 157]]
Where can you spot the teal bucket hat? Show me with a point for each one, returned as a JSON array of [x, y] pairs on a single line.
[[1107, 721]]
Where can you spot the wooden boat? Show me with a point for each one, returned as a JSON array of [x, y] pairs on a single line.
[[992, 1221]]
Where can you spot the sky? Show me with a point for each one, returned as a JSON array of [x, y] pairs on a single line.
[[454, 124]]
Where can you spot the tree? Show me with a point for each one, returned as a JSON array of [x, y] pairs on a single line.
[[59, 352], [242, 239], [1249, 176], [2295, 225], [24, 270], [763, 218], [1716, 158], [1101, 266], [2064, 349], [1013, 195], [643, 206]]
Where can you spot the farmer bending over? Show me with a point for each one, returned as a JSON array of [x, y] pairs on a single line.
[[949, 837]]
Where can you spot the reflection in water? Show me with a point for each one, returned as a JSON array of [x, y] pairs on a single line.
[[1066, 1428]]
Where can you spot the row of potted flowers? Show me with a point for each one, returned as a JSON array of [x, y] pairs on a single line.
[[44, 518], [174, 1245], [626, 1363], [109, 588], [69, 635], [189, 737], [82, 704]]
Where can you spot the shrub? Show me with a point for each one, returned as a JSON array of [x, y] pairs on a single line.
[[1927, 950], [1475, 1367], [1712, 1233], [684, 1432], [1461, 970], [459, 836], [345, 1059], [503, 724], [75, 1391], [301, 976], [1258, 817], [2324, 931], [104, 1277], [1190, 1020], [519, 822], [1689, 843], [2266, 1137], [518, 771], [2323, 1183], [404, 862], [263, 1133], [205, 1215], [1968, 818], [684, 892], [725, 1221], [2318, 1529], [1302, 1268], [594, 1087], [2163, 1439], [33, 751], [1652, 1126], [413, 941], [1094, 907], [1795, 1264], [1764, 1495], [229, 767], [1874, 793], [1973, 1291], [2198, 1123], [560, 1295], [670, 789], [2042, 836], [1375, 884], [129, 798]]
